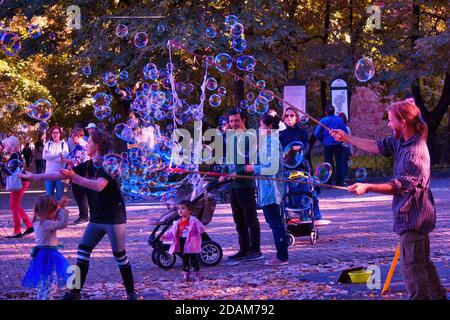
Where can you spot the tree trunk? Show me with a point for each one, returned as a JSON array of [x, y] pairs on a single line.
[[323, 83]]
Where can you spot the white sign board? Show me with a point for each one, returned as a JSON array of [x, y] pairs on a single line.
[[339, 96], [296, 96]]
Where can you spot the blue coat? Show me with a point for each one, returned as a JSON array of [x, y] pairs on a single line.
[[270, 192]]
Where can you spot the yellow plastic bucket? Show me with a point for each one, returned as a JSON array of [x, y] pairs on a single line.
[[360, 276]]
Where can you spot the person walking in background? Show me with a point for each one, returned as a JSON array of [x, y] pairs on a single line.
[[76, 156], [347, 148], [37, 155], [27, 154], [333, 152], [12, 146], [54, 150]]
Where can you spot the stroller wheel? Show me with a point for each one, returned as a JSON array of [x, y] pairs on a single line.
[[164, 259], [154, 252], [211, 253], [291, 239]]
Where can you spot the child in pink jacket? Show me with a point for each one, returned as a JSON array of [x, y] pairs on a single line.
[[186, 234]]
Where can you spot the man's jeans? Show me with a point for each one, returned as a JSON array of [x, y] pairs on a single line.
[[336, 152], [419, 274], [275, 218]]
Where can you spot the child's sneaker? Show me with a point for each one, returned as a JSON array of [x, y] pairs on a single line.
[[197, 276], [186, 275]]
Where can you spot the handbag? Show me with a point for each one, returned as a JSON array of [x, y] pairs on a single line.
[[13, 182]]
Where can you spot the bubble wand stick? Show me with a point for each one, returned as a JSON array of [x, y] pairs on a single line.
[[218, 174]]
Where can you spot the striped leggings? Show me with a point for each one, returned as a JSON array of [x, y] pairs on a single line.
[[92, 236]]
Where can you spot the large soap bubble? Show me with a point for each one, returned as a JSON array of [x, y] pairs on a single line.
[[364, 69], [293, 154], [223, 62]]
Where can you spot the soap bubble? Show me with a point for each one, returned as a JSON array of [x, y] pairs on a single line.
[[245, 63], [11, 43], [86, 70], [35, 31], [250, 96], [261, 84], [323, 172], [161, 28], [187, 88], [303, 119], [152, 74], [361, 174], [243, 104], [40, 110], [124, 132], [109, 79], [261, 107], [245, 149], [43, 126], [211, 32], [215, 100], [123, 75], [97, 161], [231, 20], [14, 166], [121, 30], [364, 69], [209, 60], [249, 77], [112, 164], [102, 113], [140, 40], [265, 96], [239, 44], [305, 201], [237, 30], [222, 91], [211, 84], [102, 99], [293, 154], [223, 62]]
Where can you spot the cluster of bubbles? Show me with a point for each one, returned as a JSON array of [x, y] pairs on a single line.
[[102, 108]]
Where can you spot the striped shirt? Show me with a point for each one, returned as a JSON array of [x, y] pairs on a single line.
[[413, 203]]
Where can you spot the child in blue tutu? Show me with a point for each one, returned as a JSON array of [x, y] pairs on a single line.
[[48, 268]]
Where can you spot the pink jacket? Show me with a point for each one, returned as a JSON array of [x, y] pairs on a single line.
[[193, 241]]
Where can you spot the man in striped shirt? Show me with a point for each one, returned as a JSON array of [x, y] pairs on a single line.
[[413, 204]]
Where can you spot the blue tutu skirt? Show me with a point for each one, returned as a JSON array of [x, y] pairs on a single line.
[[48, 265]]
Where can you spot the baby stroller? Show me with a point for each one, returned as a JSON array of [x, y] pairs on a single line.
[[301, 205], [211, 252]]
